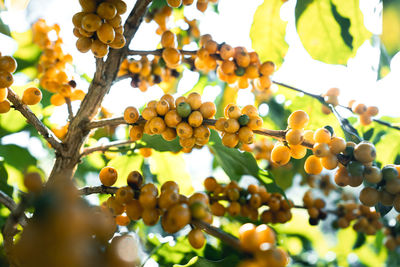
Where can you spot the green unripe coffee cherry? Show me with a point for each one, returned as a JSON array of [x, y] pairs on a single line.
[[355, 168], [240, 71], [330, 129], [198, 210], [183, 109], [389, 172], [243, 120]]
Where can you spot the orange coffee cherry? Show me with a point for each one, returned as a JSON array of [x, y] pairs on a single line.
[[108, 176], [31, 96], [131, 115]]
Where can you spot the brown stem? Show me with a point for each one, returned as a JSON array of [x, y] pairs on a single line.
[[218, 233], [98, 190], [106, 147], [158, 52], [47, 134]]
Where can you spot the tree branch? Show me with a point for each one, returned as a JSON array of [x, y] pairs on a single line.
[[47, 134], [69, 107], [322, 100], [105, 75], [10, 228], [158, 52], [85, 191], [106, 147], [111, 122]]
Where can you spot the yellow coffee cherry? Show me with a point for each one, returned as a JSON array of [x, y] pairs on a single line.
[[245, 135], [195, 119], [231, 126], [280, 154], [313, 165], [322, 135], [298, 151], [298, 119], [329, 162], [131, 115], [230, 139], [321, 150], [294, 136], [337, 145]]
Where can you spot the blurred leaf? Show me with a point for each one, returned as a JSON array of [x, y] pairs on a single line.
[[18, 4], [379, 241], [124, 165], [28, 53], [268, 32], [155, 4], [378, 137], [158, 143], [12, 121], [17, 156], [391, 27], [228, 96], [233, 260], [322, 35], [236, 164], [368, 134], [168, 166], [359, 241], [4, 186], [200, 85], [4, 29]]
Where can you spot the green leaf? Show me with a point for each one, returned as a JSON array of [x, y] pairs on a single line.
[[268, 32], [368, 134], [168, 166], [17, 156], [158, 143], [391, 27], [4, 29], [379, 237], [4, 186], [197, 261], [322, 26], [124, 165], [12, 121], [359, 241], [200, 85], [236, 164]]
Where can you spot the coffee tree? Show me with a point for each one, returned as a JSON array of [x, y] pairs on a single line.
[[113, 189]]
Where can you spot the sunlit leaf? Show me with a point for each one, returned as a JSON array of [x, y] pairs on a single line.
[[268, 32], [124, 165], [4, 186], [158, 143], [236, 164], [17, 156], [323, 36], [168, 166], [391, 27]]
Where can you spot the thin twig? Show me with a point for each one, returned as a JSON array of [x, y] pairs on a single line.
[[322, 100], [47, 134], [69, 107], [106, 147], [218, 233], [111, 122], [85, 191]]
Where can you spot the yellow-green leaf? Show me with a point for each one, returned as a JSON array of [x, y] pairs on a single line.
[[168, 166], [124, 165], [391, 27], [268, 32]]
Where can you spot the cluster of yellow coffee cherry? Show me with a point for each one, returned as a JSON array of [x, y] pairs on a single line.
[[53, 65], [200, 4], [233, 65], [294, 137], [61, 222], [98, 26], [145, 73], [143, 201], [260, 241], [8, 65], [168, 117], [238, 125], [314, 208], [365, 113], [247, 202], [367, 221], [321, 182]]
